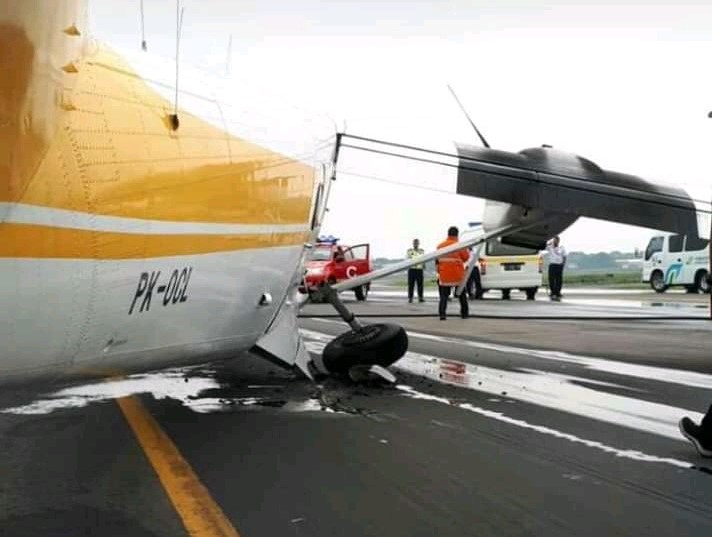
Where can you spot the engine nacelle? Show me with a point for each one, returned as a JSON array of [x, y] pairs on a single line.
[[498, 214]]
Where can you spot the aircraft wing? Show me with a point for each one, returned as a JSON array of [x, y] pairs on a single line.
[[553, 181]]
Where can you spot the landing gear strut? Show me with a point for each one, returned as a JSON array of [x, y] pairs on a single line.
[[365, 351]]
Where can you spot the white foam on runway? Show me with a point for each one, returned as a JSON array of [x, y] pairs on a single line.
[[661, 374], [499, 416], [170, 383], [181, 384], [551, 390]]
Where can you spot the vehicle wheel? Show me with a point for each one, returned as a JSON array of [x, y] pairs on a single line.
[[505, 294], [314, 297], [657, 282], [375, 344], [531, 293], [701, 281], [361, 292]]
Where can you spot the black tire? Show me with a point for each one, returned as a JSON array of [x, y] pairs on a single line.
[[375, 344], [314, 297], [531, 292], [506, 294], [361, 292], [657, 282], [701, 281]]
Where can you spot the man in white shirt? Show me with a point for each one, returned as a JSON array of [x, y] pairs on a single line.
[[557, 261]]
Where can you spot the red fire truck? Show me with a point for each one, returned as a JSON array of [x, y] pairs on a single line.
[[331, 263]]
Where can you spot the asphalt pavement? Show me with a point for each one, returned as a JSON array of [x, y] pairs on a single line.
[[496, 426]]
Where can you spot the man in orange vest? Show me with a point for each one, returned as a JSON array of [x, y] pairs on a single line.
[[451, 272]]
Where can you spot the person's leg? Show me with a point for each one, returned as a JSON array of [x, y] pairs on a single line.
[[706, 423], [464, 305], [700, 435], [419, 282], [411, 283], [478, 283], [559, 279], [552, 278], [444, 291]]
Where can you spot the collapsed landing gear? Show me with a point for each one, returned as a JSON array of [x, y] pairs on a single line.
[[374, 344], [364, 352]]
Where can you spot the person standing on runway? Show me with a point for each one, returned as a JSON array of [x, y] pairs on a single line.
[[415, 273], [451, 272], [557, 261]]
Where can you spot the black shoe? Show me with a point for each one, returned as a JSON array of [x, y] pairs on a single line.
[[442, 317], [465, 315], [693, 433], [410, 301], [421, 300]]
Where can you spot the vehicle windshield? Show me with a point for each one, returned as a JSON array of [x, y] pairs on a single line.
[[497, 248], [321, 254], [655, 245]]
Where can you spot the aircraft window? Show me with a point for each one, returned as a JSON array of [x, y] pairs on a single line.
[[655, 245], [695, 243], [675, 244], [359, 252], [321, 254], [497, 248]]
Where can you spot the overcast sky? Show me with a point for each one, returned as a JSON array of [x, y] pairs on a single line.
[[628, 86]]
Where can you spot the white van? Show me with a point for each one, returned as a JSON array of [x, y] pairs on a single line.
[[676, 260], [506, 267]]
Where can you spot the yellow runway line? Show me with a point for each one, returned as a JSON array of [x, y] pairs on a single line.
[[201, 516]]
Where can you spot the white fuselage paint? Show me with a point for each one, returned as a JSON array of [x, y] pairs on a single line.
[[76, 312]]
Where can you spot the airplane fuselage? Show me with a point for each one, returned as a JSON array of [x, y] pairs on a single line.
[[125, 241]]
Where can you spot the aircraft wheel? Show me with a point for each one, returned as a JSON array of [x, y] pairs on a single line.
[[657, 282], [375, 344]]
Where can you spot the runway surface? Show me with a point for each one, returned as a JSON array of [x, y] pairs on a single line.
[[495, 427]]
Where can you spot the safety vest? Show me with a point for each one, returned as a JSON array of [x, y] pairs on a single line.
[[412, 252], [451, 267]]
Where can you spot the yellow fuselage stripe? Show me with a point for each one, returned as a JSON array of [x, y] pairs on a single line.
[[201, 515], [35, 241]]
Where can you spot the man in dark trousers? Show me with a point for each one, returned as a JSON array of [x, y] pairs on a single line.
[[474, 282], [415, 273], [557, 261], [451, 272]]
